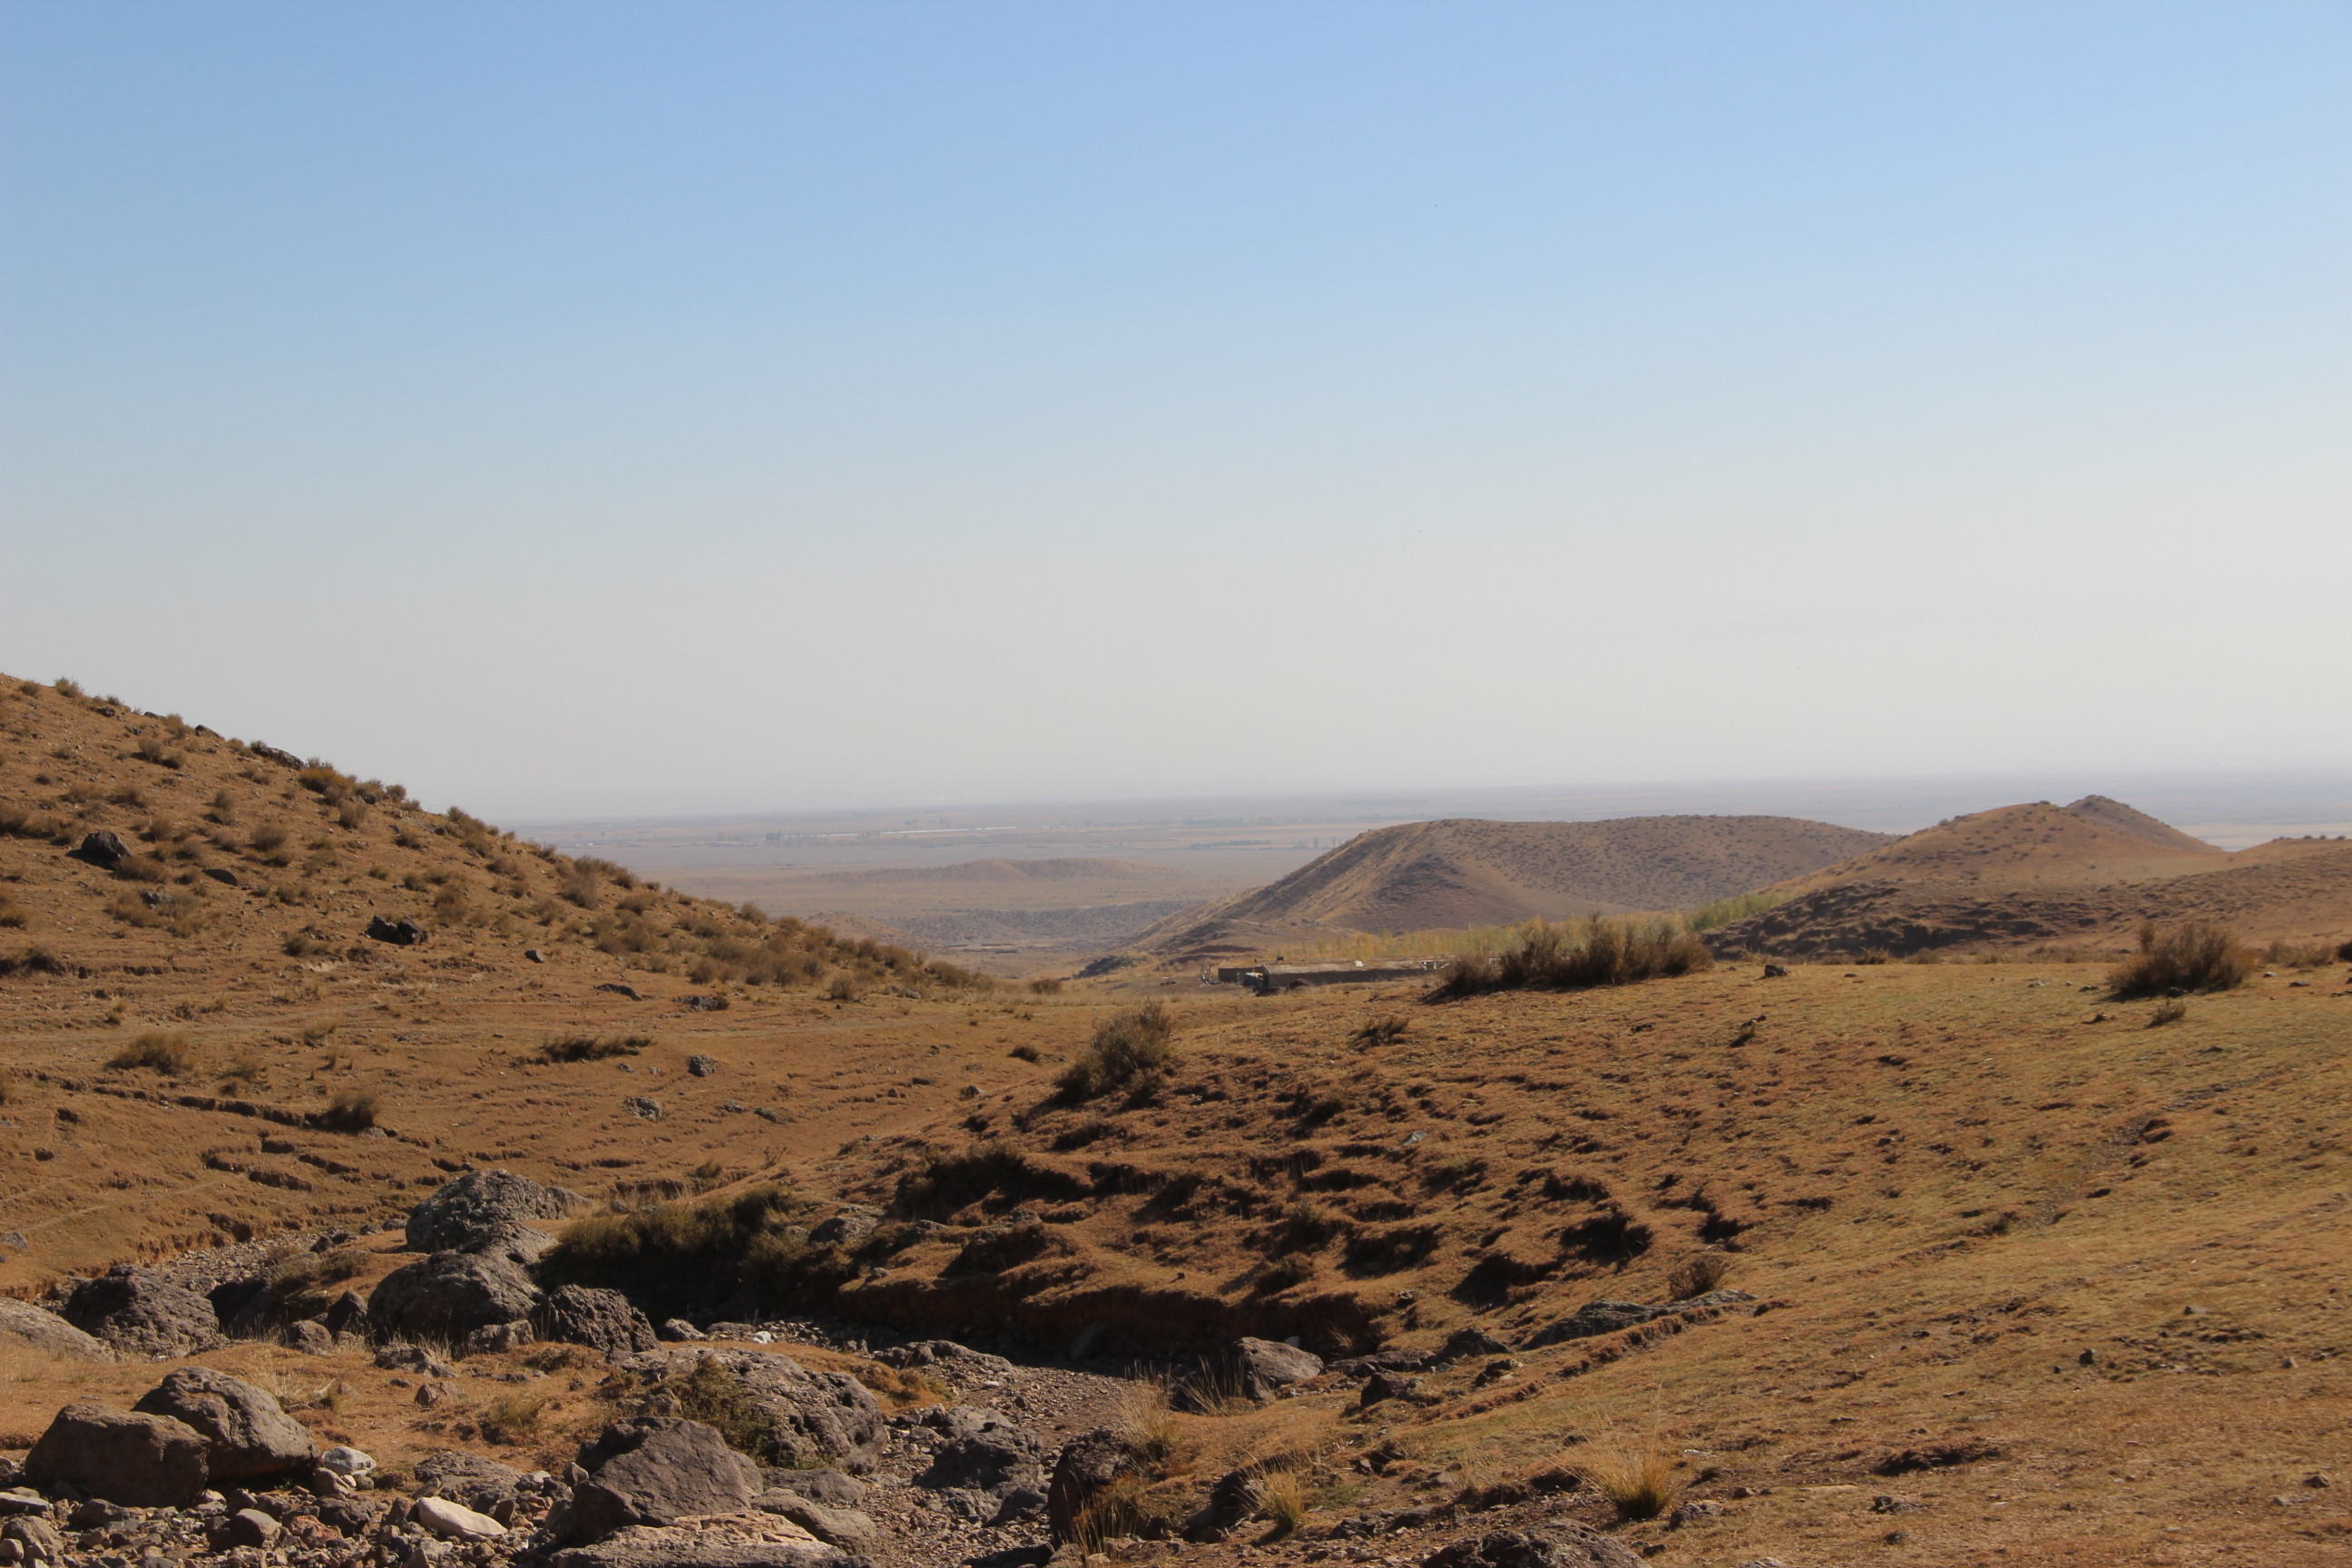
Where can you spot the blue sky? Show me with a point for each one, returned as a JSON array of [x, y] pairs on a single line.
[[676, 407]]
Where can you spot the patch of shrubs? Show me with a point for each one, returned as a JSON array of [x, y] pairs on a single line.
[[1562, 958], [1130, 1050], [2195, 956]]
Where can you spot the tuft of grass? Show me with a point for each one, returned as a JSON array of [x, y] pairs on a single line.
[[1024, 1054], [1130, 1048], [592, 1048], [1697, 1276], [1386, 1030], [2169, 1011], [676, 1256], [1636, 1475], [1046, 987], [72, 689], [2196, 956], [33, 960], [513, 1417], [169, 1054], [1576, 958], [352, 1110], [1281, 1502]]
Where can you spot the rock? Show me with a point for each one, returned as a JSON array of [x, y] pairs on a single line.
[[1594, 1318], [98, 1514], [104, 848], [823, 1484], [125, 1457], [656, 1471], [844, 1527], [1775, 971], [986, 1455], [849, 1225], [477, 1208], [140, 1311], [824, 1416], [348, 1315], [679, 1328], [1233, 1502], [520, 1244], [223, 875], [454, 1521], [441, 1391], [348, 1461], [251, 1526], [1021, 1504], [1383, 1385], [534, 954], [22, 1499], [1698, 1510], [1087, 1464], [400, 933], [1263, 1368], [37, 1541], [642, 1105], [310, 1336], [961, 1359], [1559, 1544], [770, 1542], [617, 989], [25, 1324], [702, 1066], [247, 1434], [1464, 1344], [450, 1295], [399, 1356], [477, 1482], [584, 1315]]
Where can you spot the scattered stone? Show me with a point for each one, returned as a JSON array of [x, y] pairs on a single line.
[[251, 1526], [35, 1540], [25, 1324], [656, 1471], [142, 1312], [1698, 1510], [247, 1434], [1233, 1502], [642, 1105], [479, 1206], [104, 848], [584, 1315], [125, 1457], [1263, 1368], [702, 1066], [399, 932], [454, 1521], [1559, 1544], [825, 1416], [450, 1295], [849, 1225], [1464, 1344]]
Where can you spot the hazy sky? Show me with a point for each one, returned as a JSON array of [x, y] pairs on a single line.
[[674, 407]]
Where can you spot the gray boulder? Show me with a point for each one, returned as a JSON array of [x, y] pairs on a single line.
[[104, 847], [1263, 1368], [1462, 1344], [605, 1320], [708, 1543], [125, 1457], [1233, 1502], [825, 1484], [1088, 1464], [847, 1527], [449, 1295], [1594, 1318], [477, 1482], [824, 1416], [1559, 1544], [140, 1311], [23, 1323], [476, 1209], [986, 1456], [656, 1471], [399, 932], [247, 1433], [849, 1225]]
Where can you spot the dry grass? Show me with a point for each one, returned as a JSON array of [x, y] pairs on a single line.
[[169, 1054], [1129, 1049], [350, 1111], [1697, 1276], [1634, 1472], [2196, 956], [1579, 956], [1281, 1502]]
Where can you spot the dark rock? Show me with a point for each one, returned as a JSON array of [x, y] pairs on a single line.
[[38, 1541], [310, 1335], [679, 1328], [104, 848], [1383, 1360], [251, 1526], [986, 1454], [140, 1311], [824, 1416], [825, 1484], [1232, 1503], [481, 1484], [1595, 1318], [400, 1356], [1775, 971], [140, 1460], [656, 1471], [534, 954], [1462, 1344], [959, 1359], [400, 933], [479, 1206], [520, 1244], [1383, 1385], [631, 992], [1087, 1464], [247, 1433], [1698, 1510], [849, 1225], [1019, 1505], [702, 1066], [1263, 1368], [223, 875], [450, 1295], [348, 1315], [23, 1323], [1559, 1544], [584, 1315]]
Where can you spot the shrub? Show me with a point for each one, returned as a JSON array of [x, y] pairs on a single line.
[[1282, 1501], [1738, 906], [1024, 1054], [153, 749], [33, 960], [1047, 987], [1383, 1031], [2170, 1011], [1697, 1276], [167, 1053], [70, 688], [513, 1417], [2197, 956], [1554, 958], [589, 1048], [1130, 1046], [1636, 1475], [352, 1110], [683, 1256]]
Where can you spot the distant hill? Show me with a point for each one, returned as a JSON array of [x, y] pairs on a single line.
[[1427, 876], [2091, 872]]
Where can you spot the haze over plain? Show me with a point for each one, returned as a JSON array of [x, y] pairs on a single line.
[[594, 409]]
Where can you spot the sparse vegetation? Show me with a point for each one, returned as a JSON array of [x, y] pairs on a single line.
[[351, 1110], [1634, 1472], [1697, 1276], [2196, 956], [2169, 1011], [1738, 906], [1130, 1048], [593, 1047], [680, 1255], [1281, 1502], [1385, 1030], [169, 1054], [1580, 955], [513, 1417]]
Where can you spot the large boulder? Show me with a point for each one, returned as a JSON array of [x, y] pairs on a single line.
[[247, 1433], [985, 1456], [847, 1528], [450, 1295], [1086, 1466], [762, 1541], [1559, 1544], [469, 1479], [1233, 1502], [606, 1320], [23, 1323], [125, 1457], [141, 1311], [1263, 1368], [657, 1470], [824, 1416], [478, 1206]]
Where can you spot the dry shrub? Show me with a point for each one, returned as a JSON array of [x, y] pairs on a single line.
[[353, 1111], [1147, 1425], [1130, 1048], [1281, 1502], [1383, 1031], [1562, 958], [1636, 1474], [2298, 954], [2196, 956], [2170, 1011], [168, 1054], [1047, 987], [589, 1049], [513, 1417], [33, 960], [1697, 1276]]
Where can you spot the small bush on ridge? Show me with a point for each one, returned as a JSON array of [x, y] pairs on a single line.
[[2196, 956]]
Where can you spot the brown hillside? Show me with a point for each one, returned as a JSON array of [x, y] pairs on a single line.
[[2090, 872], [1427, 876]]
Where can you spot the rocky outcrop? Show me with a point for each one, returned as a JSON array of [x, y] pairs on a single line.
[[140, 1311], [657, 1470], [606, 1320], [760, 1541], [479, 1208], [477, 1482], [23, 1323], [1559, 1544], [124, 1456], [449, 1295], [1608, 1317], [1086, 1466], [247, 1434], [824, 1416], [1263, 1368], [985, 1458]]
